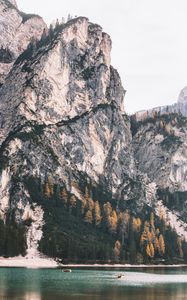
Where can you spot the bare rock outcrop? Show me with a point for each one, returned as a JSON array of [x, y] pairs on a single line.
[[66, 93], [17, 30]]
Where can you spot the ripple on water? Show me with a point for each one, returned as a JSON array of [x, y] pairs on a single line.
[[137, 278]]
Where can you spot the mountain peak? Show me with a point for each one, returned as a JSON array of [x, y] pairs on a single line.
[[64, 75], [17, 30], [13, 2], [183, 95]]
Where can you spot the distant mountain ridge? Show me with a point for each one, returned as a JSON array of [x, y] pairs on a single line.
[[179, 107]]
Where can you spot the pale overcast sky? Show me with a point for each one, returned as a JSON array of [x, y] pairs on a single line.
[[149, 42]]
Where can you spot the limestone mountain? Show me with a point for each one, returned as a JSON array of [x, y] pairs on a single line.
[[74, 181], [65, 83], [163, 158], [64, 121], [17, 29]]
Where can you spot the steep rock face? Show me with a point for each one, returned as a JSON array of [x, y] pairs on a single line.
[[66, 155], [159, 142], [17, 29], [13, 2], [182, 101], [62, 116], [160, 151], [71, 84]]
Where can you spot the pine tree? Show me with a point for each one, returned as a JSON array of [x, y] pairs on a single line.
[[137, 224], [156, 244], [73, 201], [110, 217], [83, 206], [47, 190], [50, 183], [145, 236], [57, 25], [117, 250], [97, 214], [113, 222], [43, 37], [64, 196], [33, 45], [69, 17], [127, 219], [107, 209], [152, 221], [151, 235], [132, 242], [88, 217], [179, 246], [14, 168], [86, 202], [149, 250], [161, 245], [87, 195], [90, 204], [152, 250], [122, 226], [50, 32]]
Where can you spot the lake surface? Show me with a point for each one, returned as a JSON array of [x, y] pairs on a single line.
[[54, 284]]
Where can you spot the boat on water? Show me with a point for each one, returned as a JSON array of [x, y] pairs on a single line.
[[120, 276], [67, 270]]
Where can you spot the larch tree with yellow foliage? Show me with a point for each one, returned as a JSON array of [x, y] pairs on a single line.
[[113, 222], [150, 250], [88, 217], [137, 224], [48, 187], [97, 214], [161, 245]]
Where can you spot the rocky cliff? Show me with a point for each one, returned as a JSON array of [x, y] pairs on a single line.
[[67, 90], [17, 29], [71, 175], [163, 158], [62, 117]]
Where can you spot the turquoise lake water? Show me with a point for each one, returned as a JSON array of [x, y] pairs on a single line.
[[54, 284]]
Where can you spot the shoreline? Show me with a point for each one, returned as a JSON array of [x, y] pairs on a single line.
[[45, 263], [28, 262], [115, 266]]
